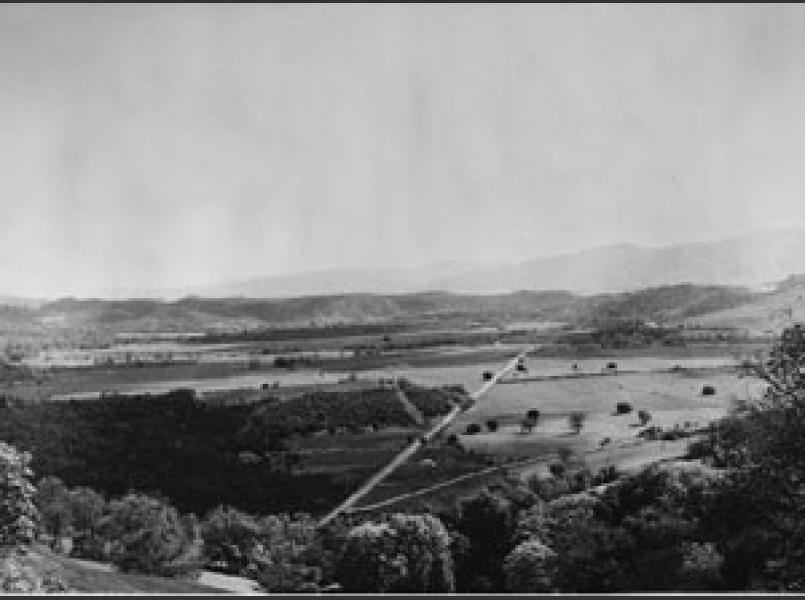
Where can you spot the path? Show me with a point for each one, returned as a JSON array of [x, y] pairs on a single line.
[[408, 452]]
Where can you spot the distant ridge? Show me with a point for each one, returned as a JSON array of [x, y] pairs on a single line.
[[751, 260]]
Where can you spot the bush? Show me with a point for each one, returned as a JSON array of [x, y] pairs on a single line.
[[576, 422], [651, 433], [605, 475], [623, 408], [147, 535], [492, 425], [402, 553], [20, 576], [473, 428]]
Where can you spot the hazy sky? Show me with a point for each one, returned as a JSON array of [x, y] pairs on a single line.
[[147, 145]]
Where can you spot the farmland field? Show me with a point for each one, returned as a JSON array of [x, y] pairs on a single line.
[[665, 381]]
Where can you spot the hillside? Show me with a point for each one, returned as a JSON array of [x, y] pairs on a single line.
[[430, 309], [768, 312], [668, 303]]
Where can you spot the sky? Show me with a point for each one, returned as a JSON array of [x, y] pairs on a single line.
[[145, 146]]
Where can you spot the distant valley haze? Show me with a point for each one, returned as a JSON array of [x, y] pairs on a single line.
[[283, 150], [754, 260]]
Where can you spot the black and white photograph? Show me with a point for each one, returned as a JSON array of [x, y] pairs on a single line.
[[309, 298]]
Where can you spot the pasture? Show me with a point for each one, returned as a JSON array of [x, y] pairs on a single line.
[[671, 398]]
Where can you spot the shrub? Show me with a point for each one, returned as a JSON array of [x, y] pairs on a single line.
[[651, 433], [20, 576], [623, 408], [576, 422], [492, 425], [606, 474], [473, 428], [644, 417], [147, 535]]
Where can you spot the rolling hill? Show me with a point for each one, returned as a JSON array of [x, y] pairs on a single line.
[[434, 309], [766, 313]]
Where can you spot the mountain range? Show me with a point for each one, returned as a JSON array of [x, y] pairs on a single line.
[[753, 260]]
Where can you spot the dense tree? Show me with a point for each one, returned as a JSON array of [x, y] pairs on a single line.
[[53, 502], [623, 408], [488, 522], [402, 553], [530, 567], [88, 508], [19, 520], [148, 535], [288, 556], [19, 517], [761, 513], [230, 540], [701, 566]]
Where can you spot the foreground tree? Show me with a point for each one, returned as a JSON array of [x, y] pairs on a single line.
[[488, 523], [18, 514], [19, 520], [88, 508], [230, 540], [530, 567], [761, 519], [148, 535], [288, 557], [53, 502], [401, 553]]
